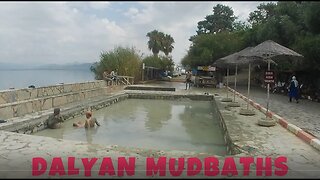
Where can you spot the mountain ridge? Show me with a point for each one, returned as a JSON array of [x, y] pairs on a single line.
[[68, 66]]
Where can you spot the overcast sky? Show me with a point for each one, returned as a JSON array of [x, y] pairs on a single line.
[[67, 32]]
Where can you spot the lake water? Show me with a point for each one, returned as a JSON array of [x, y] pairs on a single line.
[[152, 124], [24, 78]]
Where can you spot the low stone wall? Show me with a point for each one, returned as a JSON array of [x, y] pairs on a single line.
[[15, 95], [21, 108], [35, 123], [170, 96], [51, 97], [150, 88], [231, 148]]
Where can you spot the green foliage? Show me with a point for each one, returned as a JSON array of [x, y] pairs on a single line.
[[309, 47], [264, 12], [158, 41], [221, 20], [312, 16], [162, 62], [155, 41], [126, 61], [167, 44], [153, 61], [294, 24], [206, 48], [240, 26], [167, 63]]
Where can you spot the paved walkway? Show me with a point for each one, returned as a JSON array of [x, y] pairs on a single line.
[[305, 114]]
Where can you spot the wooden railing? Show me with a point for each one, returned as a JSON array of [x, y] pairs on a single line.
[[121, 80]]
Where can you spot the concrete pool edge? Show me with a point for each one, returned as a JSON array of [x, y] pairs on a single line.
[[301, 134], [35, 123]]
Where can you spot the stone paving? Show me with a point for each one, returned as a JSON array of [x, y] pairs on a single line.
[[305, 114], [303, 161]]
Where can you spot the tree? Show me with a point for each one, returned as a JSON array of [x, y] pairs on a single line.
[[155, 41], [221, 20], [161, 62], [240, 26], [308, 46], [158, 41], [167, 44], [264, 12], [294, 24], [152, 61], [311, 17], [167, 63], [206, 48]]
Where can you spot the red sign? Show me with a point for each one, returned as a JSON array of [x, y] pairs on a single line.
[[269, 77]]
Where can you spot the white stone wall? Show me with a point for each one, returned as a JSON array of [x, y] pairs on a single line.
[[10, 96], [16, 103]]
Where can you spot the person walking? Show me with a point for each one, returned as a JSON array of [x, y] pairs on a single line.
[[293, 89], [188, 79]]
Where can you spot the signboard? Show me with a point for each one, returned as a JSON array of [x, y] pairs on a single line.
[[206, 68], [269, 77]]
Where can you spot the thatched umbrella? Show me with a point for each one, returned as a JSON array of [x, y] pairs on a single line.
[[233, 60], [267, 50]]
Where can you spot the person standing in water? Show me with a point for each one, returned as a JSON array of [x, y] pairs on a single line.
[[89, 122]]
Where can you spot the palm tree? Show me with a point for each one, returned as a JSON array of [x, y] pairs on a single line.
[[167, 46], [155, 41]]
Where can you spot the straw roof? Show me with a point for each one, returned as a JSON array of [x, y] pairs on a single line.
[[237, 59], [269, 49]]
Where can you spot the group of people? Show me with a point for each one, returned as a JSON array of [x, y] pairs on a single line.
[[55, 121], [112, 76]]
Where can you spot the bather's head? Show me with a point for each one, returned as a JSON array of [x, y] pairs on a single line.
[[88, 114], [56, 111]]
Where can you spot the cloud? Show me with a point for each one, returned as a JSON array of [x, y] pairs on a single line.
[[132, 12], [69, 32], [99, 5], [242, 9], [54, 32]]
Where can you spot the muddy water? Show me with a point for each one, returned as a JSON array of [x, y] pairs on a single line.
[[155, 124]]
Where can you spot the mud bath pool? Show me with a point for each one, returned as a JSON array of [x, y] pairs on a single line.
[[181, 125]]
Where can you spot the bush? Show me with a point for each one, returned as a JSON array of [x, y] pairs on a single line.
[[125, 61]]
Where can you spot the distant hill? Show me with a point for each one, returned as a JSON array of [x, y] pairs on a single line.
[[70, 66], [74, 66], [12, 66]]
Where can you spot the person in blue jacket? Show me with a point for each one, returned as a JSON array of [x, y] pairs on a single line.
[[293, 89]]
